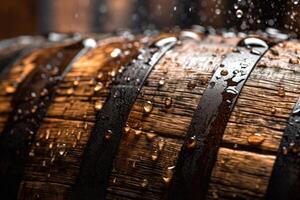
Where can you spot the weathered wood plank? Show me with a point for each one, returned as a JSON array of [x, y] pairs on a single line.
[[240, 175], [259, 119], [56, 154], [15, 76], [149, 149], [185, 71], [40, 190]]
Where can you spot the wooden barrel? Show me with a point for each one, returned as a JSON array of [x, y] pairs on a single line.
[[188, 115]]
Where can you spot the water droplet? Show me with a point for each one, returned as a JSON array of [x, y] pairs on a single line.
[[98, 105], [78, 135], [20, 111], [212, 84], [74, 144], [90, 43], [150, 136], [116, 53], [133, 164], [252, 42], [34, 109], [127, 129], [256, 139], [47, 134], [224, 72], [235, 6], [232, 90], [33, 94], [191, 84], [10, 89], [168, 102], [113, 73], [161, 145], [115, 180], [154, 155], [70, 91], [296, 111], [294, 61], [165, 41], [100, 75], [191, 143], [51, 145], [148, 106], [295, 2], [31, 153], [161, 82], [274, 52], [75, 83], [284, 151], [61, 152], [85, 125], [218, 11], [52, 158], [144, 183], [239, 13], [44, 163], [165, 70], [255, 52], [44, 92], [167, 180], [138, 132], [98, 87], [190, 34], [108, 135], [167, 175], [281, 92]]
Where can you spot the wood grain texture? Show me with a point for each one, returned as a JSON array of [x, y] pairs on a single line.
[[15, 76], [138, 174], [262, 109], [56, 154], [240, 176], [152, 140]]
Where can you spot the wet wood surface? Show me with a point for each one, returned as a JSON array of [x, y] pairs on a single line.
[[159, 120], [55, 156], [256, 126], [15, 76]]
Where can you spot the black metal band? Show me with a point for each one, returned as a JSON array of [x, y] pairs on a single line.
[[285, 179], [106, 135], [7, 61], [30, 105], [198, 154]]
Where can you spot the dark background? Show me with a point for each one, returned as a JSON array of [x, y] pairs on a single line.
[[21, 17]]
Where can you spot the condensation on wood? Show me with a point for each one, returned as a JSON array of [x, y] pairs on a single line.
[[263, 109], [54, 158], [15, 76], [141, 170]]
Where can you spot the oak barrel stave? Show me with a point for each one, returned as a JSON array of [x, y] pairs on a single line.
[[69, 125], [148, 152]]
